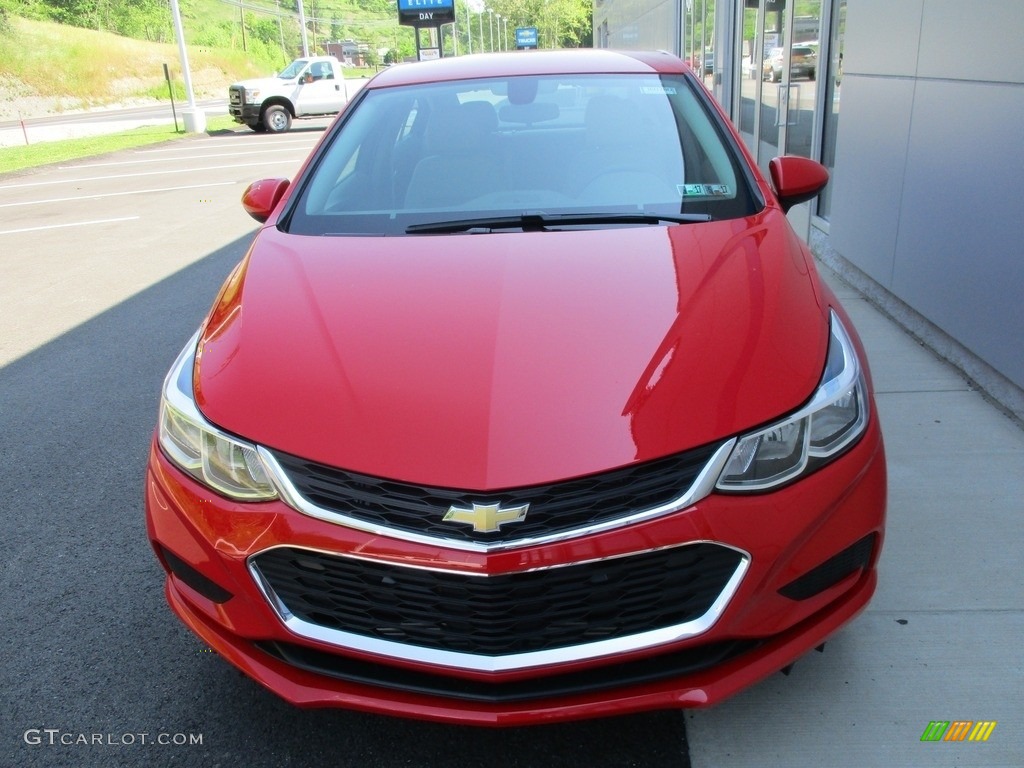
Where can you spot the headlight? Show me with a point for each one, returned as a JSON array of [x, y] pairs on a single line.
[[230, 466], [252, 95], [836, 415]]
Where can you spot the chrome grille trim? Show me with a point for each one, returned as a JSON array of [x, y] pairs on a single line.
[[703, 485]]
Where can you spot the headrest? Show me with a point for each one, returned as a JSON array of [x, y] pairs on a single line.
[[466, 127]]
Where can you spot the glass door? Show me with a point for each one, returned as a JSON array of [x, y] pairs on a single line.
[[777, 77]]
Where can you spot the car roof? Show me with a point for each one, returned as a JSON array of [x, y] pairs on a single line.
[[566, 61]]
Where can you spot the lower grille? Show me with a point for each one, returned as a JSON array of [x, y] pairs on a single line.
[[852, 559], [612, 676], [504, 614]]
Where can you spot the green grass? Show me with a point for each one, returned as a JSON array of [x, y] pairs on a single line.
[[20, 158]]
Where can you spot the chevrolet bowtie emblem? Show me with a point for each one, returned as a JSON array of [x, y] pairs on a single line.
[[486, 518]]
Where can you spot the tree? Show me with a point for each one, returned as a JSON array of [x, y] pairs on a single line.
[[559, 23]]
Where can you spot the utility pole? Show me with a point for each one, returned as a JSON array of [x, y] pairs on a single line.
[[194, 118], [302, 29]]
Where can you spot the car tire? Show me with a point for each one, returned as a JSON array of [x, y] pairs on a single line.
[[810, 74], [276, 119]]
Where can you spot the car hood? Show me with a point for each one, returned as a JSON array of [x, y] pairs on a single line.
[[493, 361]]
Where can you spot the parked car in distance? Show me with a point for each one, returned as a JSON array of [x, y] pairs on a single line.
[[803, 63], [709, 62], [525, 404]]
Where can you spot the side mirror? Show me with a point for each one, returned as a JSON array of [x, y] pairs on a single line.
[[796, 179], [261, 197]]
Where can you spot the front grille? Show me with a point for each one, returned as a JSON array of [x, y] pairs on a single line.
[[594, 680], [236, 95], [503, 614], [554, 508]]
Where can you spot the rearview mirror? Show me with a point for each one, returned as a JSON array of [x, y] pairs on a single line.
[[261, 197], [796, 179]]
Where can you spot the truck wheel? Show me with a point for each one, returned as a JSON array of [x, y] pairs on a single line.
[[277, 119], [256, 126]]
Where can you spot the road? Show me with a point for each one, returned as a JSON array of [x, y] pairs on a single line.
[[106, 268]]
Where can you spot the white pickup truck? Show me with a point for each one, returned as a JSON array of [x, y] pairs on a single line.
[[308, 87]]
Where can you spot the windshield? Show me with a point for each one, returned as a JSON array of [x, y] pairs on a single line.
[[536, 146], [292, 70]]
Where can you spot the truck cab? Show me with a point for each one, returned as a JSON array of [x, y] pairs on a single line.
[[312, 86]]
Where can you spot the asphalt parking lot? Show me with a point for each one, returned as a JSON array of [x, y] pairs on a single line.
[[108, 265]]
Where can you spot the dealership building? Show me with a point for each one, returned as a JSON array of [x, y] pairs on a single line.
[[917, 109]]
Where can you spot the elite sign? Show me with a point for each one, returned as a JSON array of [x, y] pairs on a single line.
[[426, 13]]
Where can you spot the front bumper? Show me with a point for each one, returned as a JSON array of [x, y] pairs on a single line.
[[784, 603], [244, 113]]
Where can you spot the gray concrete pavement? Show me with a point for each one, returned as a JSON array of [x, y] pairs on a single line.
[[942, 638]]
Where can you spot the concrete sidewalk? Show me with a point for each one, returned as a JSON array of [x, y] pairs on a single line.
[[942, 640]]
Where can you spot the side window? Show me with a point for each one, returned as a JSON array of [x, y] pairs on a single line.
[[371, 157]]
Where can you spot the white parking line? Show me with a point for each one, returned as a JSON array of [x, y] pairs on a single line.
[[164, 159], [217, 143], [136, 175], [115, 194], [71, 224]]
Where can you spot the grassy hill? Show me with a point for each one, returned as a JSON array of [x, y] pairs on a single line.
[[48, 67]]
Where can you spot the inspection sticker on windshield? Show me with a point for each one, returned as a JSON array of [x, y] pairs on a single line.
[[703, 190], [657, 90]]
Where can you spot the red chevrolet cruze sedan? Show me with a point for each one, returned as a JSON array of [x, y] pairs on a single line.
[[526, 404]]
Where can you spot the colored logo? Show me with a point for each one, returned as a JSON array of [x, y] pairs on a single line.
[[958, 730], [486, 518]]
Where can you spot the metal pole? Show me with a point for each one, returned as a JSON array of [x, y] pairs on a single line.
[[170, 92], [490, 20], [480, 18], [312, 18], [302, 29], [195, 119], [469, 30]]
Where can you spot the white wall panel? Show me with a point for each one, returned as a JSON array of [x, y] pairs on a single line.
[[959, 256], [882, 37], [638, 25], [978, 40], [867, 185]]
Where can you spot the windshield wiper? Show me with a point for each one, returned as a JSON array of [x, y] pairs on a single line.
[[540, 221]]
